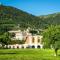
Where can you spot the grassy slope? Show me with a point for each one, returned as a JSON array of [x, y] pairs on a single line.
[[28, 54]]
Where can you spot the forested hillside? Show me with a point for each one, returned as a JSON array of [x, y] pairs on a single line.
[[51, 19], [13, 18]]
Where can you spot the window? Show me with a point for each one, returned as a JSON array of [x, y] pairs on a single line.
[[38, 40], [33, 40]]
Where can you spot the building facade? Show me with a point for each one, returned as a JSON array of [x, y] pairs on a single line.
[[31, 40]]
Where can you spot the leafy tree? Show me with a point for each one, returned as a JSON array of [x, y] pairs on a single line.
[[5, 39], [51, 37]]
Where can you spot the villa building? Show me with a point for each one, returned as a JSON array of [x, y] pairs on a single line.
[[31, 40]]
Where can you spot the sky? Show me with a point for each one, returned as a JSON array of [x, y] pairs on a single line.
[[35, 7]]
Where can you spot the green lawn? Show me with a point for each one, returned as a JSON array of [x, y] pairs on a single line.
[[28, 54]]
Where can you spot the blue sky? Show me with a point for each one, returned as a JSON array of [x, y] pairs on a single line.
[[35, 7]]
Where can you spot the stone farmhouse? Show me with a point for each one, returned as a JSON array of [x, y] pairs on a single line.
[[31, 40]]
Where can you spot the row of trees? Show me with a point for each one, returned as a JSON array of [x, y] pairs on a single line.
[[5, 39]]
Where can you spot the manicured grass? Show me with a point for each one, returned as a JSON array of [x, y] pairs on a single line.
[[28, 54]]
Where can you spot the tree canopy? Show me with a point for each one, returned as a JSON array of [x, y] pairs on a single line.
[[51, 36]]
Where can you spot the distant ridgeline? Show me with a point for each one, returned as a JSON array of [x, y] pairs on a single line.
[[12, 18]]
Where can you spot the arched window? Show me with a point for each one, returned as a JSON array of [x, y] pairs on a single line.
[[33, 46], [9, 47], [38, 46], [13, 47], [6, 46], [17, 46], [22, 46]]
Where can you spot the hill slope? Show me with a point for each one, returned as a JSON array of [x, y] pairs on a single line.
[[51, 19], [11, 17]]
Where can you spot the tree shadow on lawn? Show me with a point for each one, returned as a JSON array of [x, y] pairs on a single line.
[[58, 55], [7, 53]]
